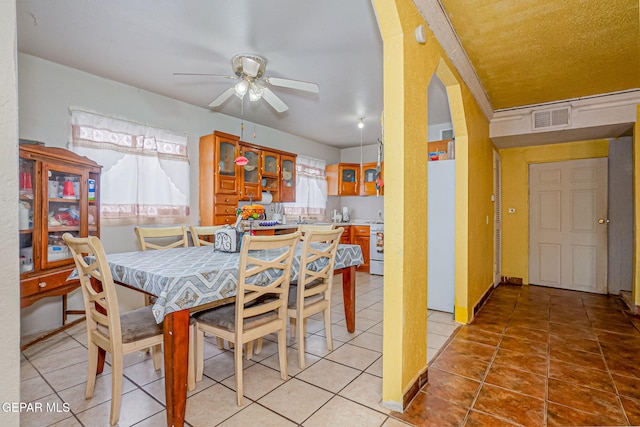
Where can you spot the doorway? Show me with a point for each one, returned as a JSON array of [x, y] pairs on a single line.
[[568, 225]]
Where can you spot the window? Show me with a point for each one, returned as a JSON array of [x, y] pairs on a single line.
[[145, 170], [311, 189]]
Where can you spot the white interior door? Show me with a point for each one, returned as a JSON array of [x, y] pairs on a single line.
[[568, 225], [497, 221]]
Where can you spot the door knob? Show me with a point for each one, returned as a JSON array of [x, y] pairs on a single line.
[[602, 221]]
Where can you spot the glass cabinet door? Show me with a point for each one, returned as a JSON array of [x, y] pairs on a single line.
[[288, 172], [61, 214], [251, 171], [27, 179], [270, 163], [226, 163]]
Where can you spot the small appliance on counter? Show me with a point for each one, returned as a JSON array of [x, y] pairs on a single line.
[[345, 214], [336, 217]]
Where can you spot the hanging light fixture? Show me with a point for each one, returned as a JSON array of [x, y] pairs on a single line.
[[361, 122], [255, 91], [241, 88], [361, 126]]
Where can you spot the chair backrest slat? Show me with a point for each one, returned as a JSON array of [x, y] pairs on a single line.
[[164, 233], [199, 234], [317, 261]]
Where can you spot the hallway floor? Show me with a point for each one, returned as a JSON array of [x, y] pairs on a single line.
[[536, 356]]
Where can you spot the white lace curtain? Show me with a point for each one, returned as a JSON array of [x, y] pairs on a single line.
[[145, 170], [311, 189]]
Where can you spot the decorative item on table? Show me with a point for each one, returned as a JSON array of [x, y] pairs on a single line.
[[227, 239], [268, 223], [252, 212]]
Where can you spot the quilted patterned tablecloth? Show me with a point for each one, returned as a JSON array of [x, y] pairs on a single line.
[[188, 277]]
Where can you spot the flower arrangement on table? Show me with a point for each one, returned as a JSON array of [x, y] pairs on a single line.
[[252, 212]]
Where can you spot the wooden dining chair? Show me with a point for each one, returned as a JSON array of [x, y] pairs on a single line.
[[198, 232], [106, 327], [162, 237], [304, 228], [312, 292], [261, 303]]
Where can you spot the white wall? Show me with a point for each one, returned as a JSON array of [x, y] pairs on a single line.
[[9, 289], [46, 92]]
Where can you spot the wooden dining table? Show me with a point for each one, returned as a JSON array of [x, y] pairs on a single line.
[[184, 279]]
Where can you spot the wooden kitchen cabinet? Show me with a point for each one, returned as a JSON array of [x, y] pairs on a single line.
[[345, 239], [58, 193], [271, 173], [250, 177], [368, 176], [343, 179], [288, 175], [362, 237]]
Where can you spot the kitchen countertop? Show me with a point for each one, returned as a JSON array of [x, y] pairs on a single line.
[[255, 226]]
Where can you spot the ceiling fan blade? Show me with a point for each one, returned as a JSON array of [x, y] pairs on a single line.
[[225, 95], [205, 74], [293, 84], [274, 101]]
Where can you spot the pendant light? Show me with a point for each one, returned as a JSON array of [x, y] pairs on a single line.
[[361, 126]]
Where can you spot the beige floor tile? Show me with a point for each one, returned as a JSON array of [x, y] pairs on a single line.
[[329, 375], [136, 406], [440, 328], [67, 422], [375, 368], [71, 375], [392, 422], [249, 416], [377, 329], [157, 389], [436, 341], [379, 306], [314, 326], [53, 345], [222, 366], [441, 317], [143, 373], [27, 371], [431, 353], [340, 333], [369, 341], [317, 345], [361, 323], [343, 412], [292, 361], [366, 390], [371, 314], [296, 400], [258, 381], [159, 419], [47, 410], [34, 389], [211, 406], [74, 396], [45, 362], [356, 357]]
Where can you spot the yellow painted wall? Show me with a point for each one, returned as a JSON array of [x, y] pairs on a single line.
[[408, 68], [515, 194]]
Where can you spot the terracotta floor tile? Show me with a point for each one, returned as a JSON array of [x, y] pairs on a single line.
[[479, 419], [472, 349], [455, 363], [510, 405], [517, 380], [523, 362], [632, 410], [527, 333], [582, 375], [496, 328], [432, 411], [450, 387], [559, 415], [623, 367], [627, 329], [627, 386], [618, 340], [479, 335], [578, 343], [523, 346], [566, 353], [565, 329], [584, 398], [528, 322]]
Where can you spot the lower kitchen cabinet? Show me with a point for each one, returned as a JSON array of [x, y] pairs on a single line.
[[362, 237]]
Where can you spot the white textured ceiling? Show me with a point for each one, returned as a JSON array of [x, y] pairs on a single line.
[[523, 52]]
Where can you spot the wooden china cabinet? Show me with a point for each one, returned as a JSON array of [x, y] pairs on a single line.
[[59, 193]]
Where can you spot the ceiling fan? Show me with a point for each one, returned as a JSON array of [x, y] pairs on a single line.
[[249, 69]]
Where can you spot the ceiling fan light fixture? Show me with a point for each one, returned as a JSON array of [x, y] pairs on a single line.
[[255, 91], [361, 122], [241, 88]]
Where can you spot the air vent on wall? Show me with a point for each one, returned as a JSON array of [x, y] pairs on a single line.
[[549, 119], [446, 134]]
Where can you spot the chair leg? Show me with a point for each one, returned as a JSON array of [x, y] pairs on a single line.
[[199, 354], [292, 327], [327, 328], [191, 367], [248, 350], [156, 355], [259, 345], [220, 343], [116, 387], [91, 372], [238, 362], [301, 326], [282, 352]]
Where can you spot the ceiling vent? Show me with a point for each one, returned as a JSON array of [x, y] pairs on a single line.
[[551, 119]]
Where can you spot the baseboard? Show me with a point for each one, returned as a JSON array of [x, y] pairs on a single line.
[[483, 299], [413, 389], [627, 297]]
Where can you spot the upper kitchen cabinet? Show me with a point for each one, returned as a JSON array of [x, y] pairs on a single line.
[[288, 174], [343, 179], [369, 176], [218, 177], [271, 173], [250, 177]]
